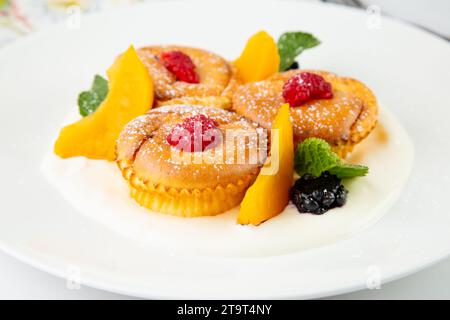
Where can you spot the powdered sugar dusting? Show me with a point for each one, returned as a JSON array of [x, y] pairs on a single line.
[[214, 72], [329, 119], [154, 157]]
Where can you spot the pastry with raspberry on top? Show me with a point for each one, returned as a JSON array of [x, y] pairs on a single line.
[[184, 75], [340, 110], [177, 159]]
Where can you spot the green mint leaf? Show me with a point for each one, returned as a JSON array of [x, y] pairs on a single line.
[[315, 156], [347, 171], [89, 101], [100, 86], [292, 44]]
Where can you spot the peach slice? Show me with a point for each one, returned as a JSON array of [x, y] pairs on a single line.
[[130, 95], [269, 195], [260, 58]]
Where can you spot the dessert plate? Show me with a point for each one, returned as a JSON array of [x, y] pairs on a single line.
[[41, 76]]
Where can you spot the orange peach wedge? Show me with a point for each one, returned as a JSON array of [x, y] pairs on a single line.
[[130, 95], [269, 195], [260, 58]]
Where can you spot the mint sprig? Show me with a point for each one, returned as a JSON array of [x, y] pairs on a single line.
[[347, 171], [315, 156], [292, 44], [89, 101]]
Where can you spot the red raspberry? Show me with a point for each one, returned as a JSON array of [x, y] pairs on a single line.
[[181, 66], [195, 134], [306, 86]]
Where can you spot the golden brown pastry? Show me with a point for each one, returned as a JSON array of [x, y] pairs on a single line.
[[151, 164], [343, 121], [215, 77]]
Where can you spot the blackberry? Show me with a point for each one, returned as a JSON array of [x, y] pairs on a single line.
[[294, 66], [341, 196], [317, 195]]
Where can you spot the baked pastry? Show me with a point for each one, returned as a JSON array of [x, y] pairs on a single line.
[[203, 186], [184, 75], [343, 119]]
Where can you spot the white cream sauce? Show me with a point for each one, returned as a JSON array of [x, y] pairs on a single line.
[[97, 190]]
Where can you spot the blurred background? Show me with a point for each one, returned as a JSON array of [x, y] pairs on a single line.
[[21, 17]]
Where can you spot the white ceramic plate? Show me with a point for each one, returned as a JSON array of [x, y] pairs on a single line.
[[39, 80]]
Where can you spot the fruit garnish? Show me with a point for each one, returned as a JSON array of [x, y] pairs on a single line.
[[291, 45], [317, 195], [195, 134], [269, 195], [130, 95], [305, 86], [181, 65], [314, 156], [259, 59], [89, 101]]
